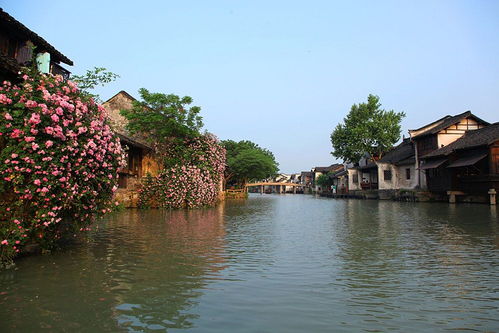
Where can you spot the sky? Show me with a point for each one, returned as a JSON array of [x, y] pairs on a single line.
[[283, 74]]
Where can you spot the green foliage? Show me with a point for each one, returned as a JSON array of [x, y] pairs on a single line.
[[247, 161], [367, 128], [161, 118], [324, 180], [93, 78]]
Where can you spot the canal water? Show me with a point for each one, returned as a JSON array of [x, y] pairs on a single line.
[[272, 263]]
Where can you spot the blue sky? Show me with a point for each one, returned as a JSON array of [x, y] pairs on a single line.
[[284, 73]]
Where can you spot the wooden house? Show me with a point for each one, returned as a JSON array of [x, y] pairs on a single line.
[[16, 50], [141, 158], [306, 178], [469, 165], [438, 134]]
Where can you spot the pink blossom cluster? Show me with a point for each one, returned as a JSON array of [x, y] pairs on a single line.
[[59, 160], [193, 182]]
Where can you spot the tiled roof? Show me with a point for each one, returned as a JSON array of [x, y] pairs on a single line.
[[369, 165], [476, 138], [449, 121], [330, 168], [404, 151], [338, 174], [8, 22]]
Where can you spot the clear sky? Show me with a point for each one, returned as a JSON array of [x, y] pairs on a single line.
[[284, 73]]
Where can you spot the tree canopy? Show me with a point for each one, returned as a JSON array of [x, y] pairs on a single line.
[[161, 118], [366, 128], [324, 180], [248, 161]]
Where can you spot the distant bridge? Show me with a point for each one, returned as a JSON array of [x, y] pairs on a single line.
[[280, 187]]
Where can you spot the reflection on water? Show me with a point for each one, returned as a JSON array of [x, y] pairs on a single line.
[[288, 263]]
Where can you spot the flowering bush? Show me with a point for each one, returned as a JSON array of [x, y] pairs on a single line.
[[58, 161], [193, 179]]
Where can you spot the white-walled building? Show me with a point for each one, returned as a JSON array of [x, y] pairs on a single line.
[[396, 169]]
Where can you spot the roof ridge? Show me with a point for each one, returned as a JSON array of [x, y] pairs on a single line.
[[120, 92]]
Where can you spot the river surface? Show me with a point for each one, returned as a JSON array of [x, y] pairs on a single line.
[[272, 263]]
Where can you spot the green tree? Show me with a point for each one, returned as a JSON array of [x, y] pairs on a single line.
[[367, 128], [98, 76], [248, 161], [161, 118], [324, 180]]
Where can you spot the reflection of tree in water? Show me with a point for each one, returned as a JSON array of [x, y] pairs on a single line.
[[181, 251], [141, 270]]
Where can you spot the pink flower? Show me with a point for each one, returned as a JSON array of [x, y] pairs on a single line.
[[14, 155], [5, 242], [31, 104], [37, 182], [4, 99], [29, 138], [49, 143], [35, 119], [16, 133], [54, 118], [8, 116]]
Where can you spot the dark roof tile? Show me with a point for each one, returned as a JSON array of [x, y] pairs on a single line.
[[332, 167], [449, 121], [405, 150]]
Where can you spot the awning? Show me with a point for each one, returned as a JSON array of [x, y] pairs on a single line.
[[468, 160], [432, 164]]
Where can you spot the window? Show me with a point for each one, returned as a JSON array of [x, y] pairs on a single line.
[[408, 173], [355, 178], [387, 174]]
